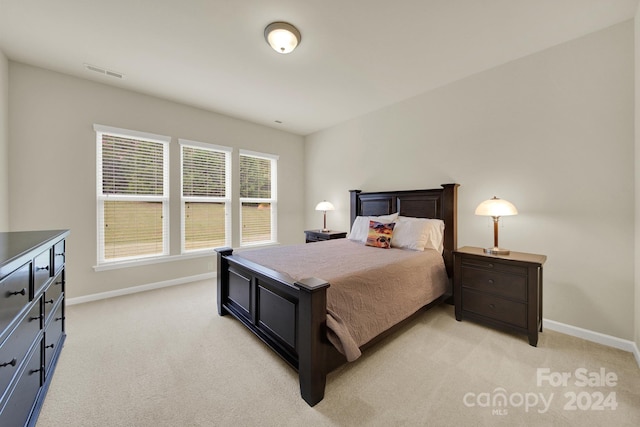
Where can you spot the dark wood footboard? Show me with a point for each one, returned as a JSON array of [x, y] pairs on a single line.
[[290, 317]]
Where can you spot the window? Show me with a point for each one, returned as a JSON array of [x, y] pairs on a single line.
[[258, 198], [132, 194], [206, 196]]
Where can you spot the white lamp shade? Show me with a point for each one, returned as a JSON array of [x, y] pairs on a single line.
[[496, 207], [325, 206], [282, 36]]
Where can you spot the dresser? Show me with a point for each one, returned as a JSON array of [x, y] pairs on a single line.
[[319, 235], [32, 308], [503, 291]]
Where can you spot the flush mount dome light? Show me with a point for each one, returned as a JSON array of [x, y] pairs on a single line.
[[282, 36]]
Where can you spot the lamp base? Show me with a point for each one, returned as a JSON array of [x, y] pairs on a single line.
[[496, 251], [325, 230]]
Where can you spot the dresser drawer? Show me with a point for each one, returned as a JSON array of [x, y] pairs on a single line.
[[496, 308], [52, 295], [52, 336], [58, 256], [14, 296], [15, 346], [495, 282], [19, 404], [41, 271]]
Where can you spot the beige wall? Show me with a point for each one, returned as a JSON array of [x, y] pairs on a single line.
[[4, 143], [551, 132], [53, 156]]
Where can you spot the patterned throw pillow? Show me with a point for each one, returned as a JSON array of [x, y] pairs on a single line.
[[380, 234]]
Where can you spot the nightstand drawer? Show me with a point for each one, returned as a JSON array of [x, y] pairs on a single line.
[[493, 265], [511, 312], [321, 236], [495, 282], [316, 237]]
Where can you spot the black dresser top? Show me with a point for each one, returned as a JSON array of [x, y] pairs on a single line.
[[18, 247]]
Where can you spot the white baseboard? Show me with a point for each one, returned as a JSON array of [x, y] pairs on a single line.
[[141, 288], [593, 336]]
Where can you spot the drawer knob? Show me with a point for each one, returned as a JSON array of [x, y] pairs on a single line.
[[62, 254], [59, 318], [35, 318], [20, 292], [12, 363], [492, 306], [490, 281], [58, 283], [42, 268], [490, 266], [49, 346], [33, 371]]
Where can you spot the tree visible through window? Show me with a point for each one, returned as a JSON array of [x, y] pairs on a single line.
[[257, 198]]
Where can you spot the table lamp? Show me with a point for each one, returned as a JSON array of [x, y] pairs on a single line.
[[496, 208], [325, 206]]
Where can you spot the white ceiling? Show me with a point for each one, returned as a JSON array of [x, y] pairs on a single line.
[[356, 56]]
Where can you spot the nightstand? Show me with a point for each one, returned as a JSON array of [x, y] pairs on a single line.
[[503, 291], [319, 235]]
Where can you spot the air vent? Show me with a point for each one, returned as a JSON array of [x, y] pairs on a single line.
[[103, 71]]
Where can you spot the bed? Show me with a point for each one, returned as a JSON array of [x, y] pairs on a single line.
[[269, 291]]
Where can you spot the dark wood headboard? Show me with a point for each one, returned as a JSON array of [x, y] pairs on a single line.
[[437, 203]]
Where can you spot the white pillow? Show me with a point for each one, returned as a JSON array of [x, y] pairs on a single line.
[[418, 234], [360, 227]]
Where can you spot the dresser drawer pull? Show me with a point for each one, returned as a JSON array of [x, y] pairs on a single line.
[[492, 306], [59, 283], [12, 363], [42, 268], [23, 291], [49, 346], [62, 254], [59, 318], [49, 301], [33, 371], [35, 318], [490, 281]]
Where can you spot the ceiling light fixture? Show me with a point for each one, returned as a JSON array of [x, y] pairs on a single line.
[[282, 36]]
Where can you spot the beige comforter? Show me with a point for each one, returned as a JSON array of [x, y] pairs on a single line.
[[371, 288]]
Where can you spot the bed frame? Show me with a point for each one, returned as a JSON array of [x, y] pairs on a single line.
[[289, 316]]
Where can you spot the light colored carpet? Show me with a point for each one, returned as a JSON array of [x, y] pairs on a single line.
[[165, 358]]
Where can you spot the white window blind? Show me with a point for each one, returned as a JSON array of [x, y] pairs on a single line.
[[206, 196], [258, 198], [132, 194]]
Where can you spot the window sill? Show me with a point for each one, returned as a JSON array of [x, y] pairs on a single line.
[[152, 260]]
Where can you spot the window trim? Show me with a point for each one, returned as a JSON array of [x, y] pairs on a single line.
[[273, 201], [101, 198], [227, 200]]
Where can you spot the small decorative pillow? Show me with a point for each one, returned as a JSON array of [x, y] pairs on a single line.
[[380, 234]]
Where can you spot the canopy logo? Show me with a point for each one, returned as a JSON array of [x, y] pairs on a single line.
[[588, 397]]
